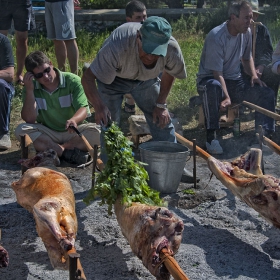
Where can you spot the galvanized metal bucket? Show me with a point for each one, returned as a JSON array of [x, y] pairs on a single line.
[[166, 162]]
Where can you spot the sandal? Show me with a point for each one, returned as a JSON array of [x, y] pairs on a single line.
[[129, 108]]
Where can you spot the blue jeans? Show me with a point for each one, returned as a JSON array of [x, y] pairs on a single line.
[[239, 90], [145, 94], [6, 94]]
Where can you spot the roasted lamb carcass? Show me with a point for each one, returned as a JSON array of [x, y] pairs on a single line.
[[148, 230], [4, 257], [261, 192], [48, 195], [244, 178]]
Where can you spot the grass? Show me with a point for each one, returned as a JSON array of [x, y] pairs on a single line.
[[189, 32]]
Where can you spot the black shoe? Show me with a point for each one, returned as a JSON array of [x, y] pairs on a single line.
[[75, 156]]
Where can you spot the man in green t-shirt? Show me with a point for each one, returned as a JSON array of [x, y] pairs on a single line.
[[53, 101]]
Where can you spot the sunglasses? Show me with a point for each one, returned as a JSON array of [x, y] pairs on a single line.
[[41, 74]]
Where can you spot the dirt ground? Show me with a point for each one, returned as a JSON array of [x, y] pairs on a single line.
[[223, 238]]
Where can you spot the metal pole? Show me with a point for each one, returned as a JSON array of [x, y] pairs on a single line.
[[261, 145], [73, 273], [194, 162]]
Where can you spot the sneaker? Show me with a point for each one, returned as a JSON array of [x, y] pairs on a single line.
[[5, 142], [75, 156], [215, 148]]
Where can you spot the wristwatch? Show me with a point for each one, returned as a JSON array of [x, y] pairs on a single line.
[[161, 106]]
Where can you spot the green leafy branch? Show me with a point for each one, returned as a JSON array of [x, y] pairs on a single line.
[[122, 176]]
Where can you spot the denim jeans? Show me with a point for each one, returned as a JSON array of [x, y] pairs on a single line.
[[239, 90], [145, 94], [6, 94]]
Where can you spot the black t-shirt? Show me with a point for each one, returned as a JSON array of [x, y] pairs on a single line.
[[6, 53]]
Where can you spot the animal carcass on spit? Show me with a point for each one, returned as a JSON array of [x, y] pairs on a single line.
[[4, 257], [261, 192], [244, 178], [148, 230], [48, 195]]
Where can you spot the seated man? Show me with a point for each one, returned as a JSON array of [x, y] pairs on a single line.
[[6, 90], [53, 101], [276, 60], [262, 51], [219, 80]]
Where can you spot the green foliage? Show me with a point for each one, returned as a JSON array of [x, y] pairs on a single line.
[[122, 177], [189, 191]]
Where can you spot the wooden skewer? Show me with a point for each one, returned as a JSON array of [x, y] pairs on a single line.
[[272, 145], [262, 110], [189, 144], [172, 265], [169, 262]]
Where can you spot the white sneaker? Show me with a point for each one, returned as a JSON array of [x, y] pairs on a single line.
[[5, 142], [215, 148]]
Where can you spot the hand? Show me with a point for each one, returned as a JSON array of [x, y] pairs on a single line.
[[28, 81], [102, 115], [76, 2], [259, 70], [161, 117], [225, 103], [70, 123], [257, 80]]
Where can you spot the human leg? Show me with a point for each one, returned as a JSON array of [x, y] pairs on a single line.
[[24, 20], [72, 54], [44, 138], [211, 93], [272, 80], [129, 105], [265, 98], [60, 54], [6, 95], [21, 51], [59, 17]]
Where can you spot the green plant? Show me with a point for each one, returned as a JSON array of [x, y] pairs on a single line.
[[189, 191], [122, 176]]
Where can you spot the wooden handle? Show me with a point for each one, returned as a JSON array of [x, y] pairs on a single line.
[[172, 266], [272, 145], [79, 265], [88, 146], [262, 110], [189, 144]]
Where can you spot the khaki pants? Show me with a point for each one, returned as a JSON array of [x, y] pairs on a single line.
[[91, 131]]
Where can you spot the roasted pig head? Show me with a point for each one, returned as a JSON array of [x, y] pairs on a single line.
[[48, 195], [47, 159], [148, 229], [4, 257], [261, 192]]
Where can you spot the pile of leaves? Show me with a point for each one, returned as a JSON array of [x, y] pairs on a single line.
[[122, 176]]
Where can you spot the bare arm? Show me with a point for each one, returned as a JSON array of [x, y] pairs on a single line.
[[219, 77], [102, 112], [161, 115], [7, 74], [78, 117], [29, 108], [249, 68]]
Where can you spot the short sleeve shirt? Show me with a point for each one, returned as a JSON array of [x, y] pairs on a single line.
[[56, 108], [119, 57], [223, 52], [6, 51]]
